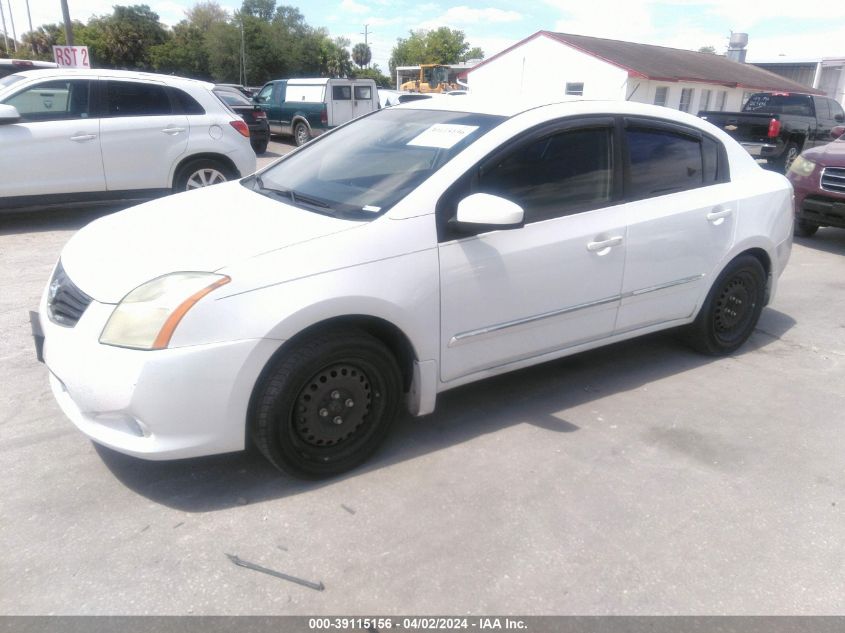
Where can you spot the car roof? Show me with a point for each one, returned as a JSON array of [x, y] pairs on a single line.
[[510, 107], [171, 80]]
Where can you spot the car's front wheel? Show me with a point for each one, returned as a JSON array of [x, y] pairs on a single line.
[[327, 403], [199, 173], [732, 308]]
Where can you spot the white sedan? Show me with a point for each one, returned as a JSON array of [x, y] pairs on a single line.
[[411, 251]]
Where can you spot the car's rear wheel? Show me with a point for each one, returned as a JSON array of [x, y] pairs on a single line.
[[301, 135], [785, 160], [327, 404], [199, 173], [732, 308], [805, 229], [260, 147]]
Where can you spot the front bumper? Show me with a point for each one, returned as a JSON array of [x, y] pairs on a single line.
[[165, 404], [822, 210]]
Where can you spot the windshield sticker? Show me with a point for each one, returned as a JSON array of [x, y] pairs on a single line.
[[443, 135], [370, 209]]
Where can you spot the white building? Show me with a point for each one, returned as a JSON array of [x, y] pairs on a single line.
[[550, 65]]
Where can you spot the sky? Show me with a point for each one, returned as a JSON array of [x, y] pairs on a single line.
[[812, 28]]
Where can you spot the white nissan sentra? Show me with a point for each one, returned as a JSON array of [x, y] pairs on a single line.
[[413, 250]]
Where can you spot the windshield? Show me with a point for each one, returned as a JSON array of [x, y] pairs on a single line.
[[366, 167]]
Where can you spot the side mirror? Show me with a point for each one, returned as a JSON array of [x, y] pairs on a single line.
[[482, 212], [838, 131], [9, 114]]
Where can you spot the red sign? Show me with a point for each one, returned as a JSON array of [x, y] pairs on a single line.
[[72, 56]]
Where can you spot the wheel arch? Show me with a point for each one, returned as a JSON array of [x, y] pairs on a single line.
[[388, 333], [222, 158]]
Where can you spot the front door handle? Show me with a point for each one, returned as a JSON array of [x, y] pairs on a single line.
[[603, 246], [80, 138], [718, 215], [173, 131]]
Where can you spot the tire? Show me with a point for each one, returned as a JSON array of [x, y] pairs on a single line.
[[199, 173], [260, 147], [327, 404], [732, 308], [301, 134], [785, 160], [803, 228]]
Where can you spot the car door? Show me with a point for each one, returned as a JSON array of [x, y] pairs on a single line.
[[270, 100], [142, 134], [681, 220], [340, 109], [55, 147], [363, 99], [511, 295]]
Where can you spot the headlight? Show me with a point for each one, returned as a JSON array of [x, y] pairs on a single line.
[[802, 166], [147, 316]]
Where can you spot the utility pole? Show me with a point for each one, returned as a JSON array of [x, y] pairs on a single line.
[[68, 26], [3, 20], [32, 41], [12, 20], [366, 34]]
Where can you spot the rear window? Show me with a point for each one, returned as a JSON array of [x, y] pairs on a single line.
[[230, 97], [779, 104], [305, 93]]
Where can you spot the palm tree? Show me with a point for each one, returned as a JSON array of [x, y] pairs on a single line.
[[362, 55]]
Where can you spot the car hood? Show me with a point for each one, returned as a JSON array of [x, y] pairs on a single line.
[[202, 230], [830, 155]]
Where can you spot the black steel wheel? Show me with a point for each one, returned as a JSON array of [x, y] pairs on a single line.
[[803, 228], [327, 404], [732, 308]]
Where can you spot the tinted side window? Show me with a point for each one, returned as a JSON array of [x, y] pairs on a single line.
[[341, 93], [53, 100], [264, 95], [557, 175], [127, 98], [187, 104], [836, 111], [363, 92], [662, 161]]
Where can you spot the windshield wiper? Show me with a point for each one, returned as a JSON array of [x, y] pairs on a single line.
[[290, 193]]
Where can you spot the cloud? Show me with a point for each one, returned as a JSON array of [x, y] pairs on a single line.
[[353, 7], [466, 15]]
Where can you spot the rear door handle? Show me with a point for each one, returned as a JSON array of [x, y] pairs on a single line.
[[173, 131], [604, 245], [718, 215], [80, 138]]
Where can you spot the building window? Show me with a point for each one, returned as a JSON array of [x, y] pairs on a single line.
[[723, 97], [686, 99], [575, 89], [660, 95], [704, 101]]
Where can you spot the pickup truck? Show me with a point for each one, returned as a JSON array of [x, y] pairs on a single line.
[[778, 126], [305, 108]]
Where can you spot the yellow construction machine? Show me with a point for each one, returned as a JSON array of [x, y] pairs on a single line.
[[433, 78]]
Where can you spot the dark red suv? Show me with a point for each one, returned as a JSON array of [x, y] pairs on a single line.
[[818, 176]]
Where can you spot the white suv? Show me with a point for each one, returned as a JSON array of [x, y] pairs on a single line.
[[85, 135]]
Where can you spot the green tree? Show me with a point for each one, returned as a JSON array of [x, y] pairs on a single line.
[[335, 60], [440, 46], [362, 55], [185, 53], [374, 73], [124, 39], [707, 49]]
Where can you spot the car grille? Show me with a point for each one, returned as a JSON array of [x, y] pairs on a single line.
[[65, 302], [833, 179]]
